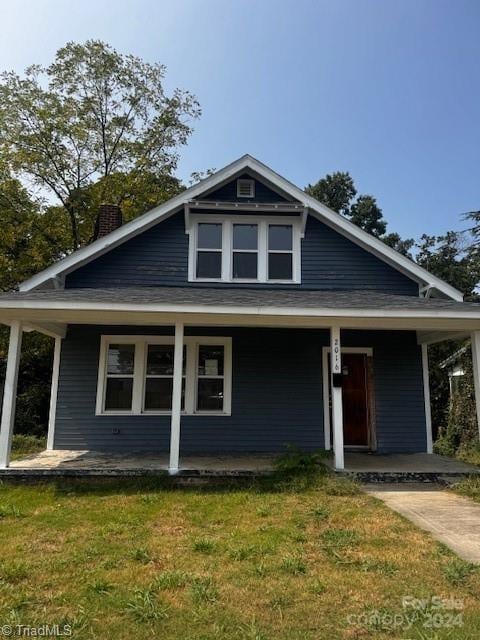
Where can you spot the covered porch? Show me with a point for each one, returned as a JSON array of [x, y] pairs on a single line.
[[339, 323]]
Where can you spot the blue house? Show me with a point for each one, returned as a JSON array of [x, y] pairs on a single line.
[[240, 316]]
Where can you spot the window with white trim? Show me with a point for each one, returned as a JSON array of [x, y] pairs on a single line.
[[245, 249], [135, 375], [159, 377], [280, 251], [119, 376]]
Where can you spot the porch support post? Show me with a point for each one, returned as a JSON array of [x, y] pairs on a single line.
[[426, 397], [10, 393], [176, 400], [54, 392], [337, 408], [475, 339]]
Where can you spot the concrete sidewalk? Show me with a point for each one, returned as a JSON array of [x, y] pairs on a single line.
[[451, 519]]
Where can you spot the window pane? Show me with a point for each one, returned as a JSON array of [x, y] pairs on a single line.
[[120, 358], [210, 360], [280, 237], [279, 266], [244, 265], [160, 359], [209, 264], [158, 394], [209, 236], [210, 394], [118, 394], [245, 236]]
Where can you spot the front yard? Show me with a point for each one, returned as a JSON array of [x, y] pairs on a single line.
[[300, 558]]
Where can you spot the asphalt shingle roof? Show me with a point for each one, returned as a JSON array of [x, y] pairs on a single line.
[[242, 297]]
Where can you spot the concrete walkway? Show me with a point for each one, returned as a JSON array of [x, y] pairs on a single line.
[[451, 519]]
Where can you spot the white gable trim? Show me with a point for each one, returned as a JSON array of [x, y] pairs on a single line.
[[245, 163]]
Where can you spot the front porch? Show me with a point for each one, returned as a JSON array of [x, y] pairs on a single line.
[[182, 372], [364, 466]]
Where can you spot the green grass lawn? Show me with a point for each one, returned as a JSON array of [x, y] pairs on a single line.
[[126, 559]]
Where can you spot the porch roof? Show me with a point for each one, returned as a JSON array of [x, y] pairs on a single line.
[[242, 298], [196, 305]]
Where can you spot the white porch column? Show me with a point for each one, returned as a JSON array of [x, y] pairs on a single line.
[[337, 408], [426, 397], [176, 400], [475, 339], [54, 392], [10, 393]]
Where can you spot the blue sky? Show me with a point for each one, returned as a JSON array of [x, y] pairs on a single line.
[[389, 91]]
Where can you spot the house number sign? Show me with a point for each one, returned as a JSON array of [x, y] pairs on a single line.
[[336, 363]]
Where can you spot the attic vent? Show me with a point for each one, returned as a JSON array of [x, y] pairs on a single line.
[[245, 188]]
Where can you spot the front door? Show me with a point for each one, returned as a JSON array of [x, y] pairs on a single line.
[[355, 400]]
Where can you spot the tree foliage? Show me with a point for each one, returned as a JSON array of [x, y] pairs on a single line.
[[460, 431], [337, 191], [453, 258], [91, 117], [366, 213]]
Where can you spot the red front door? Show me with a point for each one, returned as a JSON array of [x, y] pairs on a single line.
[[355, 399]]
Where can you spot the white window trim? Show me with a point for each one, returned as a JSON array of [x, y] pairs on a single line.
[[251, 184], [192, 344], [227, 223]]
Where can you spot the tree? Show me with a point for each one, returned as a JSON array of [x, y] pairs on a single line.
[[338, 190], [91, 115], [452, 258], [335, 190], [402, 245], [366, 214]]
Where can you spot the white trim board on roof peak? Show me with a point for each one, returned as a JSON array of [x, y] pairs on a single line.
[[260, 170]]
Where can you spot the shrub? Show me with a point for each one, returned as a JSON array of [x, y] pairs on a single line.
[[295, 461]]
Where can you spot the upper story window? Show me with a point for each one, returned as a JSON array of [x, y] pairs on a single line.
[[245, 249], [209, 251], [245, 188]]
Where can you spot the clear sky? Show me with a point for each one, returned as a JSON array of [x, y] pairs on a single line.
[[388, 90]]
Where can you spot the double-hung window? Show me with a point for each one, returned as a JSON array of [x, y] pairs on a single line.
[[245, 252], [280, 251], [244, 249], [119, 376], [159, 377], [136, 375], [209, 251]]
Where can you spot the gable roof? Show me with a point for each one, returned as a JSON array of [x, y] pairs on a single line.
[[259, 170]]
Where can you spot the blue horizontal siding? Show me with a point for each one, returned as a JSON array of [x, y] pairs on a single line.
[[159, 257], [276, 394]]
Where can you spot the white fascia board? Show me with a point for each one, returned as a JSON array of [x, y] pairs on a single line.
[[245, 163], [354, 233], [56, 305]]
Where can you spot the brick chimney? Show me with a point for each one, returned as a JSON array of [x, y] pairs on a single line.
[[109, 218]]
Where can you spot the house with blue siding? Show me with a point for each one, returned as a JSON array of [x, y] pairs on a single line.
[[241, 316]]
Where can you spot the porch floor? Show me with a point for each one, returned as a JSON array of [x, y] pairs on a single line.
[[403, 466], [363, 465], [68, 462]]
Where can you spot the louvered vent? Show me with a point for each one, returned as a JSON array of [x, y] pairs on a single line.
[[245, 188]]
